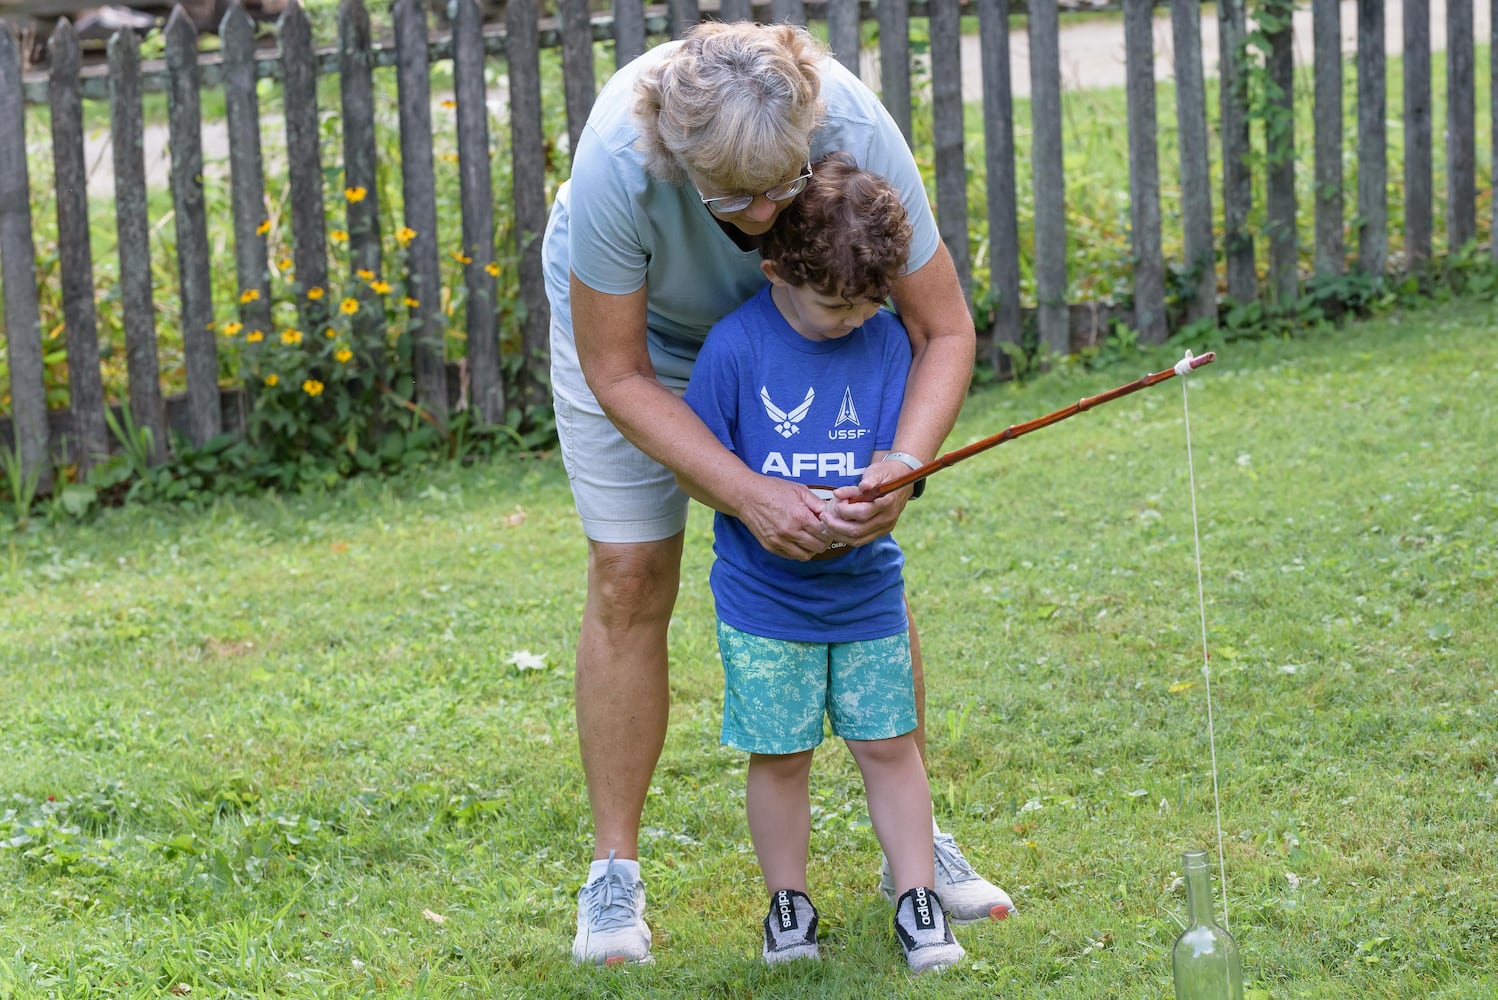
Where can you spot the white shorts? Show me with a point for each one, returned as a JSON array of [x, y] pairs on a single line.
[[621, 494]]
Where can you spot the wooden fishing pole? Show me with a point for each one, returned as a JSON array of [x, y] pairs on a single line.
[[951, 458]]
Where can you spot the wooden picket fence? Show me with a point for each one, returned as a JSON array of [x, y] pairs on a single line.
[[37, 437]]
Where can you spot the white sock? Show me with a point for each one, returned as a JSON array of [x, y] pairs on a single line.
[[629, 866], [935, 830]]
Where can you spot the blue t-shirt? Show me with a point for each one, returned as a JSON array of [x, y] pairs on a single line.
[[813, 411]]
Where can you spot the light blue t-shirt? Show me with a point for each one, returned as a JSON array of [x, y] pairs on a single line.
[[815, 412], [617, 227]]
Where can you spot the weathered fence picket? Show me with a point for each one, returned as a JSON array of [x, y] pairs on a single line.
[[1417, 128], [476, 192], [1144, 172], [947, 130], [1373, 165], [1003, 198], [31, 452], [1196, 167], [80, 434], [1279, 197], [90, 435], [1326, 30], [133, 230], [1048, 170], [1461, 134]]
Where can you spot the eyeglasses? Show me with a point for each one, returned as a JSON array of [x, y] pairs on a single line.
[[728, 204]]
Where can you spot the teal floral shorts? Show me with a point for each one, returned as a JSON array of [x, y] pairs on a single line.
[[776, 692]]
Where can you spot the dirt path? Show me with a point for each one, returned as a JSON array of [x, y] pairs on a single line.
[[1092, 56]]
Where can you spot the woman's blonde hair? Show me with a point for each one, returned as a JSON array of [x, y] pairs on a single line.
[[737, 103]]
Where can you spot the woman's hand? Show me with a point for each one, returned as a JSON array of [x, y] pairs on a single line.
[[786, 518]]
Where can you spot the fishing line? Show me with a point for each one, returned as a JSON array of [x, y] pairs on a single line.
[[1182, 367]]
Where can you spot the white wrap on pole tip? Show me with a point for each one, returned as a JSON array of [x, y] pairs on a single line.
[[1183, 366]]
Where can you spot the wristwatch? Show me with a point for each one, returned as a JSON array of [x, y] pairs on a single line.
[[919, 486]]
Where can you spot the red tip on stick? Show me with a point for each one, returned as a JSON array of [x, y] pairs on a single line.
[[1188, 363]]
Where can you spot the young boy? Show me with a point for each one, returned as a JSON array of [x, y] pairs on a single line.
[[805, 381]]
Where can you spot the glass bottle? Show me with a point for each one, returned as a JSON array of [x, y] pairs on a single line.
[[1204, 960]]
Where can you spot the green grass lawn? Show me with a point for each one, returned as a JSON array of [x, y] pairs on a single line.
[[323, 746]]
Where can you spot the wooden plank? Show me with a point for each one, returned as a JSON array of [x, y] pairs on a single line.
[[132, 228], [947, 137], [1196, 164], [1048, 170], [528, 196], [1279, 201], [1144, 172], [246, 173], [90, 443], [185, 124], [894, 63], [1326, 29], [843, 35], [309, 245], [788, 11], [18, 279], [629, 30], [1418, 183], [418, 185], [486, 391], [360, 159], [1461, 132], [1237, 178], [999, 169], [681, 15], [578, 83], [736, 10], [1373, 148]]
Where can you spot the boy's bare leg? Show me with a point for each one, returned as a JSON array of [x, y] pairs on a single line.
[[894, 780], [778, 801]]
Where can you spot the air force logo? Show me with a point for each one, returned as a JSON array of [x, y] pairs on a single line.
[[786, 423]]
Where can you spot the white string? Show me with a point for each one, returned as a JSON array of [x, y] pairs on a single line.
[[1201, 600]]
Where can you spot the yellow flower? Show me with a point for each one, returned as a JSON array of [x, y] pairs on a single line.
[[380, 287], [354, 194], [492, 268], [449, 157], [404, 235], [272, 379], [449, 104], [342, 356], [349, 306], [284, 263], [339, 236], [263, 228], [249, 295], [315, 293], [291, 337], [330, 333], [411, 303], [461, 257], [312, 387], [365, 274], [254, 337], [232, 328]]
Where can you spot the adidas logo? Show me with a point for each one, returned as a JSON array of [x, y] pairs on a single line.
[[784, 910], [922, 904]]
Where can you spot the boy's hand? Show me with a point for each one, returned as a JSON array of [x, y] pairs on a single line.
[[853, 520]]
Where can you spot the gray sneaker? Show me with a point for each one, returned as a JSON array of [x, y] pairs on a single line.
[[790, 927], [968, 896], [611, 925], [924, 933]]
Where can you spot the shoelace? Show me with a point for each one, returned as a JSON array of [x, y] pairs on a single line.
[[611, 899], [951, 859]]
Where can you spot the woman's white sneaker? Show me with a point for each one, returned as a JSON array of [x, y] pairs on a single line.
[[611, 926], [968, 896]]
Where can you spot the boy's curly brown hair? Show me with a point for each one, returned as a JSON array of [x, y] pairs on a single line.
[[846, 235]]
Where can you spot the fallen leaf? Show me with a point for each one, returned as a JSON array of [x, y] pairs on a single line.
[[524, 659], [435, 918], [516, 519], [1180, 686]]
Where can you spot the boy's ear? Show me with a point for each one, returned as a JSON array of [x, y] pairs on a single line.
[[770, 272]]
